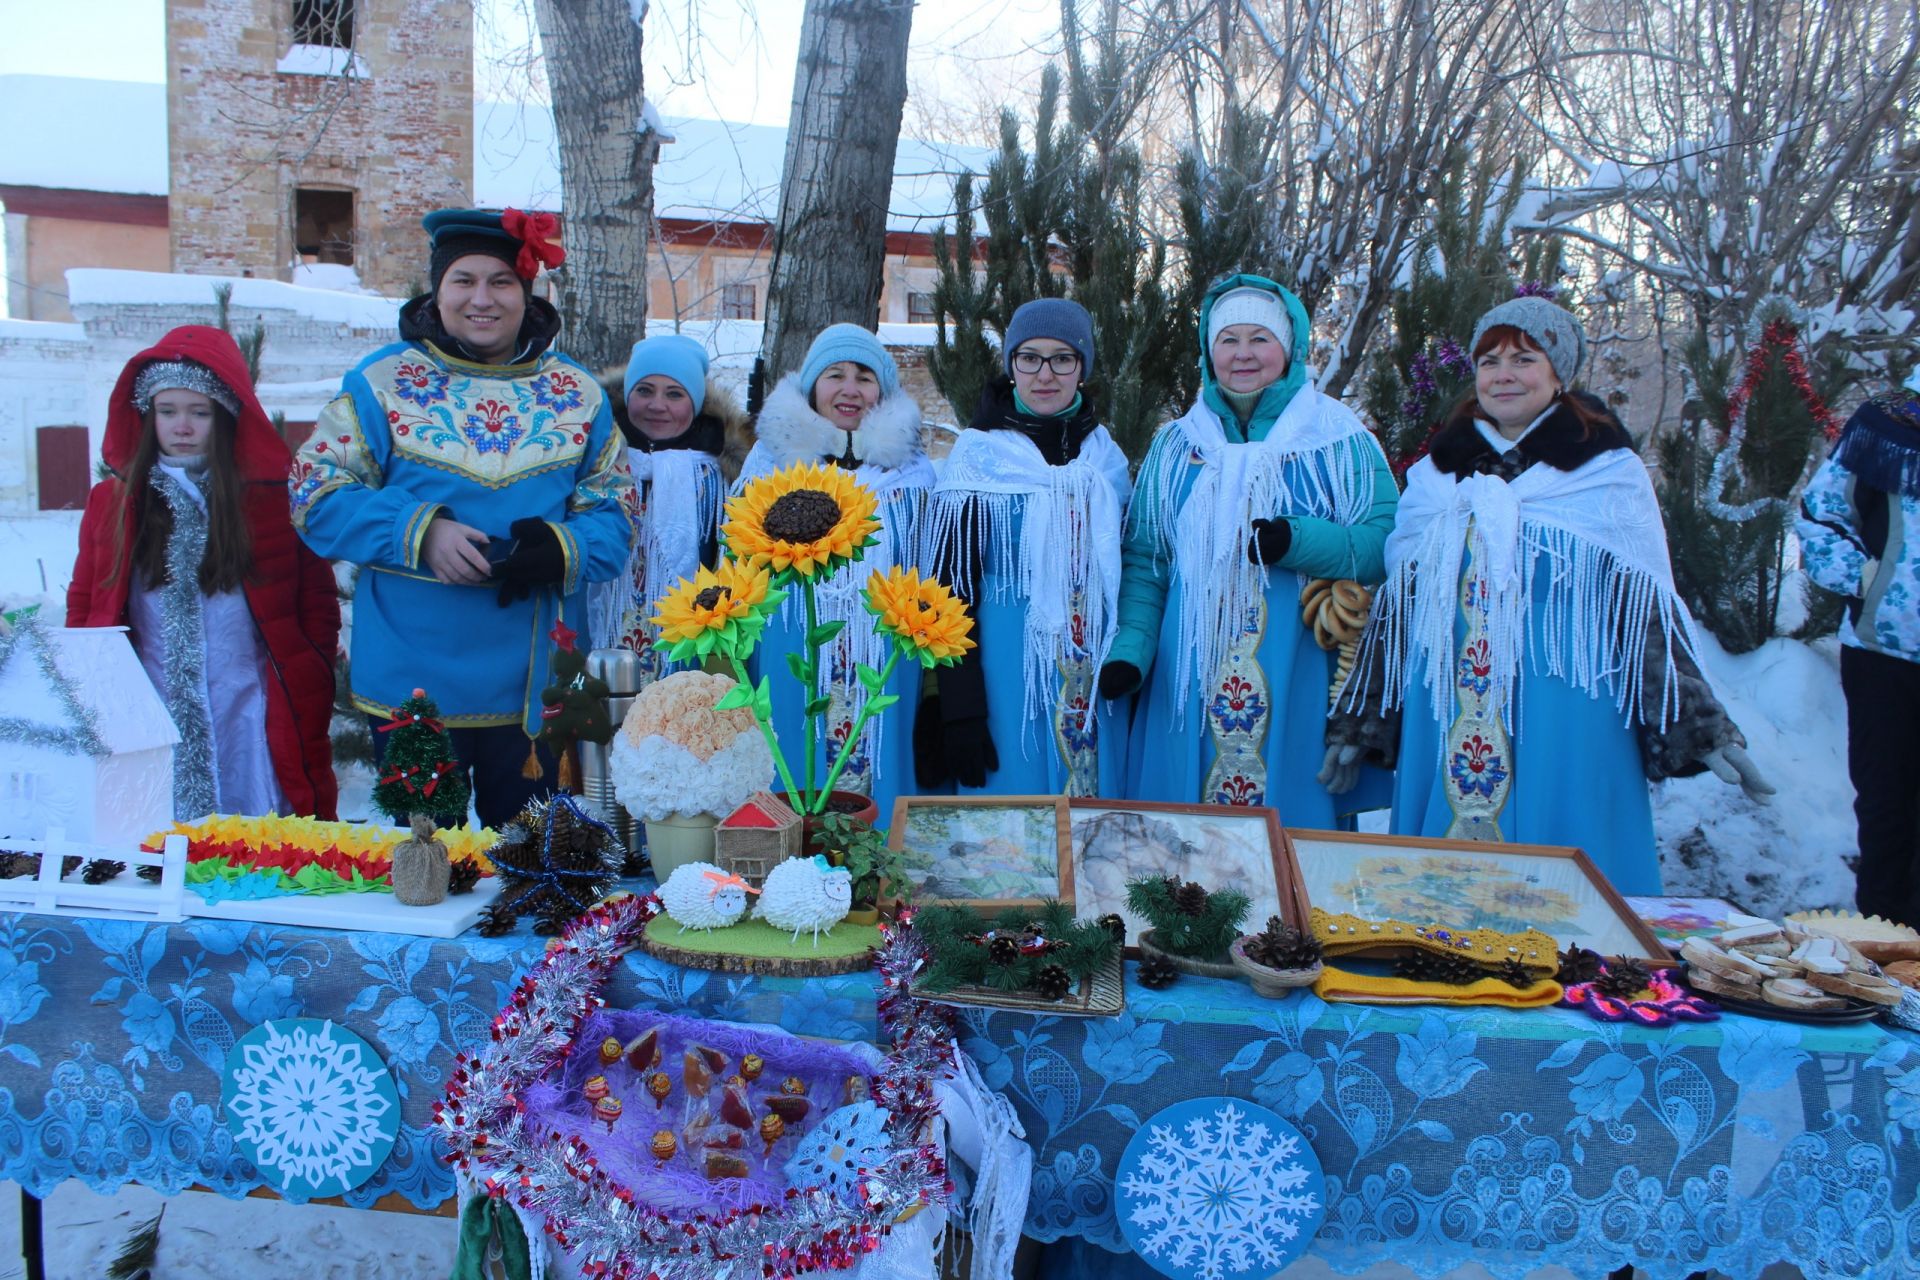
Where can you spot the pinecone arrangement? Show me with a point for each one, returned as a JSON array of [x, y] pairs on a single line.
[[1578, 965], [553, 858], [464, 876], [1281, 946], [1157, 973], [1624, 978], [1431, 966], [1115, 925], [1053, 983], [101, 870], [1187, 920]]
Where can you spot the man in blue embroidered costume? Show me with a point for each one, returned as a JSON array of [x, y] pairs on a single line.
[[1528, 628], [478, 475], [1262, 485], [1859, 533]]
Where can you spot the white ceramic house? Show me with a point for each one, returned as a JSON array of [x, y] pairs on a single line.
[[108, 784]]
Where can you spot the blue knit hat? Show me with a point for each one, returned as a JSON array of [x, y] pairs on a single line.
[[839, 342], [670, 355], [1056, 318]]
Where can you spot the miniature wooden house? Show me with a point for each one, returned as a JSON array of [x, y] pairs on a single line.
[[758, 836]]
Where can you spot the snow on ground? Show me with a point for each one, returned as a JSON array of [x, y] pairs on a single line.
[[36, 559]]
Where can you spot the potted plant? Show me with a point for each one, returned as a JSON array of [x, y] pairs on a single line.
[[1192, 928], [848, 841], [680, 763], [1277, 959]]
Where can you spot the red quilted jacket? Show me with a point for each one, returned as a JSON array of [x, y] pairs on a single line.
[[291, 591]]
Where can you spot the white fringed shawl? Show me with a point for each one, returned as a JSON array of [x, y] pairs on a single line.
[[1304, 467], [683, 489], [1609, 586], [1069, 541]]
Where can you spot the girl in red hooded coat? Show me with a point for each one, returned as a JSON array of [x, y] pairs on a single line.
[[189, 544]]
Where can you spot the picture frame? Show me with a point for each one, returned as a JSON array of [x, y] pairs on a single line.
[[1220, 846], [1675, 919], [986, 853], [1473, 884]]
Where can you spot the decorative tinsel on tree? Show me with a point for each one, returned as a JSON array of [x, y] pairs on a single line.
[[1731, 475], [419, 773]]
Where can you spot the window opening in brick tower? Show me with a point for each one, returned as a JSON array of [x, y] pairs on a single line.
[[323, 225], [323, 22]]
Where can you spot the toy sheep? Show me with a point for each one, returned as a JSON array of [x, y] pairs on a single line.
[[699, 895], [806, 893]]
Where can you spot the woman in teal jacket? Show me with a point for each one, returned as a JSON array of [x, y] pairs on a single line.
[[1262, 486]]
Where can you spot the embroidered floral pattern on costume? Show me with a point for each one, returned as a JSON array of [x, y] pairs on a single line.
[[421, 383], [1476, 666], [1477, 751], [1477, 767], [492, 427], [1237, 715], [558, 390], [494, 430], [1076, 729], [842, 687]]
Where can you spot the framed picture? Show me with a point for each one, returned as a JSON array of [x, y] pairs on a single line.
[[985, 852], [1220, 846], [1470, 884], [1674, 920]]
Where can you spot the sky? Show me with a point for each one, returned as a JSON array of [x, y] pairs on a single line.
[[722, 59]]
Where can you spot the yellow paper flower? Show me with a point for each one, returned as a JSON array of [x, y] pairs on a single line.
[[926, 620], [809, 519], [715, 606]]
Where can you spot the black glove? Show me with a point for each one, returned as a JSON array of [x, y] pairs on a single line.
[[1118, 679], [537, 561], [929, 760], [969, 751], [1270, 540]]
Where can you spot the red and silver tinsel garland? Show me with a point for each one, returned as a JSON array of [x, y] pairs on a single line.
[[617, 1235], [1777, 335]]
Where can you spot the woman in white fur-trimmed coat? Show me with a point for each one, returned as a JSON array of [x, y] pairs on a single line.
[[846, 407]]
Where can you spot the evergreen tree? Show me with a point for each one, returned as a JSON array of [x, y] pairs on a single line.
[[420, 774]]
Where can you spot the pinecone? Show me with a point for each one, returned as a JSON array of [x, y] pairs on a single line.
[[1515, 975], [1157, 972], [1577, 965], [1623, 979], [14, 864], [464, 876], [1190, 899], [556, 913], [1053, 982], [1429, 966], [1116, 926], [1003, 950], [497, 920], [1281, 946], [101, 870], [70, 864], [150, 874]]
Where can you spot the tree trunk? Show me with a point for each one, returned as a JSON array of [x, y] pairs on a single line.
[[607, 153], [829, 246]]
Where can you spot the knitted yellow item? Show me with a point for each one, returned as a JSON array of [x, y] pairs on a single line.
[[1367, 988], [1351, 935]]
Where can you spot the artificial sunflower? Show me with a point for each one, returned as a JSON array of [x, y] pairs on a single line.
[[808, 519], [927, 621], [722, 610]]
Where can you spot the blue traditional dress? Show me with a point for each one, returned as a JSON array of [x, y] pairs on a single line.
[[886, 457], [1034, 546], [1235, 699], [416, 433], [1530, 634]]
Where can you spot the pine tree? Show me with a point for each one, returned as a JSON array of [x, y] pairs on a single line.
[[419, 774]]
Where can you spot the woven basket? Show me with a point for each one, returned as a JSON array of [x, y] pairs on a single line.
[[1186, 964], [1275, 983]]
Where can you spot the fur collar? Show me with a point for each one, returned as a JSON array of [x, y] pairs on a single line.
[[793, 432], [1459, 449]]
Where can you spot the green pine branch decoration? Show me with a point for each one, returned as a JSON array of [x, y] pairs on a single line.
[[967, 955], [137, 1256], [1186, 919]]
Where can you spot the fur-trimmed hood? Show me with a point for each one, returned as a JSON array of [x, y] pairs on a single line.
[[1559, 440], [722, 428], [792, 431]]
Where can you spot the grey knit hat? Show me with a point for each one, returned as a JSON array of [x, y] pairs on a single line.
[[1061, 319], [1554, 328]]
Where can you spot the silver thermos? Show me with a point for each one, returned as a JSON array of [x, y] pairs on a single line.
[[620, 668]]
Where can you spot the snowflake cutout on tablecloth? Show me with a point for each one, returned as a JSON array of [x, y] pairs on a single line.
[[840, 1148], [311, 1104], [1219, 1189]]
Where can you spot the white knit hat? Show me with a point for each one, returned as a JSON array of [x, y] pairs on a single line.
[[1250, 306]]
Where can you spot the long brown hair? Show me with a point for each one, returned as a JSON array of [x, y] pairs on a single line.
[[1590, 417], [228, 560]]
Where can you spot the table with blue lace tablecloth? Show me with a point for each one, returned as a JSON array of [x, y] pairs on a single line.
[[1512, 1139]]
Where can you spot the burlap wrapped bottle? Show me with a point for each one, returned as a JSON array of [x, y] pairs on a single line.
[[421, 868]]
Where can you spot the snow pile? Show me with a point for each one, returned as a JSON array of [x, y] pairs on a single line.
[[1798, 851], [36, 560], [333, 276]]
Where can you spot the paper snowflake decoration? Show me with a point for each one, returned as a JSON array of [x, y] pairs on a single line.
[[311, 1104], [842, 1146], [1219, 1189]]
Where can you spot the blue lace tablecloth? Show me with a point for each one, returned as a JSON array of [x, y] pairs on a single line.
[[1510, 1139]]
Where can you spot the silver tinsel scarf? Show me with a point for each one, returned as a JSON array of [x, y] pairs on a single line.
[[183, 641], [617, 1235]]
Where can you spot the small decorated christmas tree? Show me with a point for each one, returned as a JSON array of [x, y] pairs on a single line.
[[573, 707], [419, 773]]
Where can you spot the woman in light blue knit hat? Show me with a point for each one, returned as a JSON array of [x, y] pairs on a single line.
[[845, 406]]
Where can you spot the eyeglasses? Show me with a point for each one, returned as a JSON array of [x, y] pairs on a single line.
[[1062, 364]]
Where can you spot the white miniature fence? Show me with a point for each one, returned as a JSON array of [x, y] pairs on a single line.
[[125, 897]]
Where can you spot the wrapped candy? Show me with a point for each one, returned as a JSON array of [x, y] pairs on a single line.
[[752, 1065], [772, 1129], [663, 1145], [610, 1051], [659, 1085], [725, 1164], [607, 1110], [734, 1109], [643, 1052], [857, 1090], [595, 1088], [793, 1085], [789, 1107]]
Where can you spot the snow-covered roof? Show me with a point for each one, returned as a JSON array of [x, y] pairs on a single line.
[[105, 286], [113, 137]]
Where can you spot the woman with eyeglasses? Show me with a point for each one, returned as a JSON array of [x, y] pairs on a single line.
[[1262, 486], [1025, 525]]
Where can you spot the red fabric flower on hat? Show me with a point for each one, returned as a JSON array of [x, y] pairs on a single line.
[[536, 250]]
